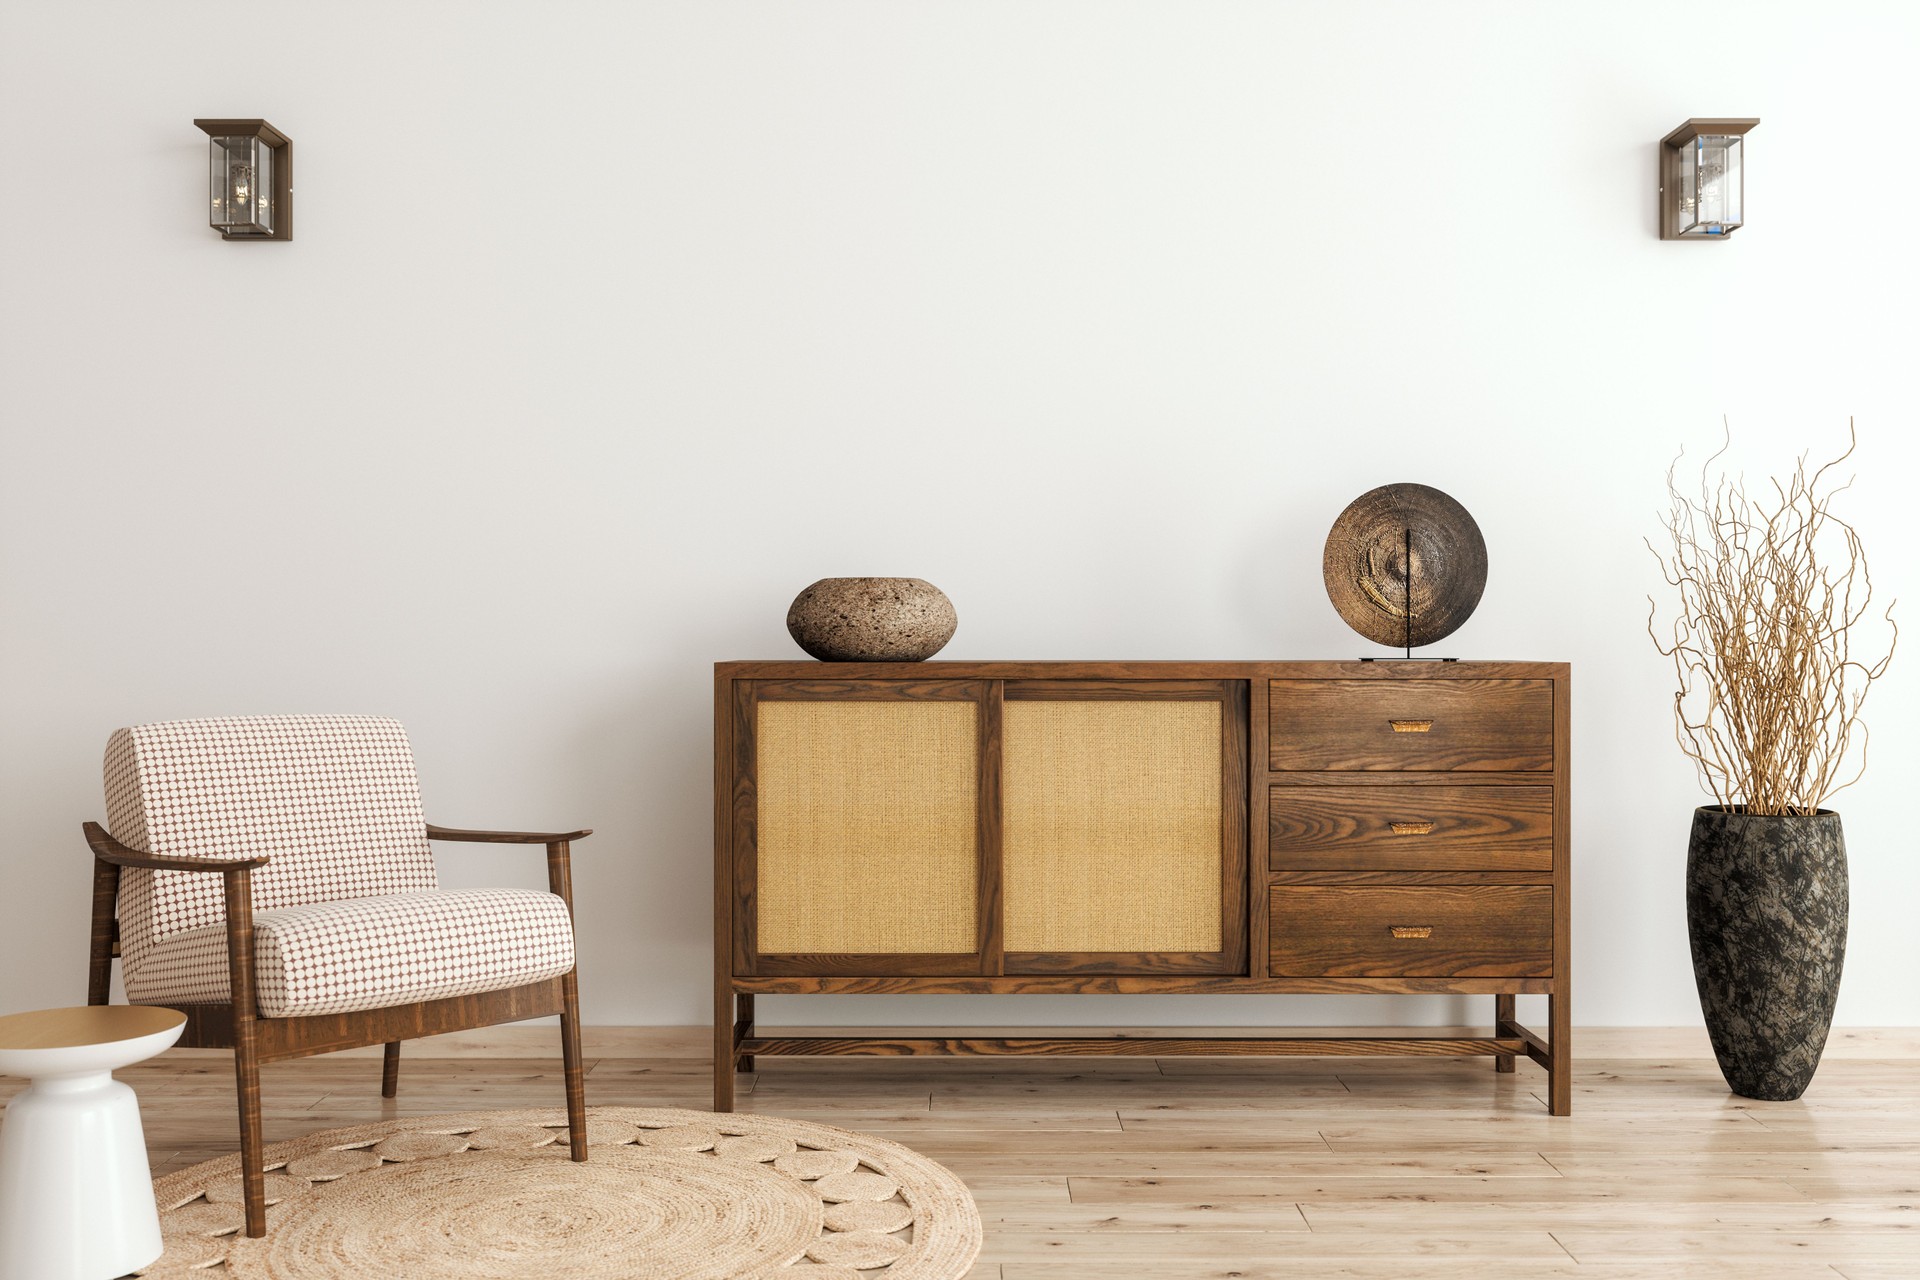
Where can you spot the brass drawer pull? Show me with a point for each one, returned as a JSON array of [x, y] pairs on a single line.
[[1410, 931], [1411, 726], [1411, 828]]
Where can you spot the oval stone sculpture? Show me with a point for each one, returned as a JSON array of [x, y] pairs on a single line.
[[872, 620], [1405, 565]]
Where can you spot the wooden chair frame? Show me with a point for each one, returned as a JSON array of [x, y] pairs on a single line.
[[238, 1025]]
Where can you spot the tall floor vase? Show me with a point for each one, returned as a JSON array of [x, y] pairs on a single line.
[[1767, 919]]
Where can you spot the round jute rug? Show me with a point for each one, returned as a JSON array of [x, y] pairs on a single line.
[[491, 1195]]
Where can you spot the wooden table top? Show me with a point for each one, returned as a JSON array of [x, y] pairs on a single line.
[[87, 1024]]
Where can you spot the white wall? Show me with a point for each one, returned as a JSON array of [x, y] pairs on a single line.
[[610, 326]]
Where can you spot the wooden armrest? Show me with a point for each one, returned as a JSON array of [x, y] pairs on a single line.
[[506, 837], [107, 849]]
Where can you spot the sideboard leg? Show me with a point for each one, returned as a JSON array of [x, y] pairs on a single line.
[[1502, 1012], [1560, 1049], [722, 1046], [743, 1027]]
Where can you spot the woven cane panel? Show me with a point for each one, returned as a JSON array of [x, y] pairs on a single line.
[[867, 827], [1112, 826]]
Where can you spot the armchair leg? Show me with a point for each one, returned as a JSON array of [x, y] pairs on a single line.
[[560, 881], [390, 1071], [570, 1055], [106, 893], [246, 1061], [246, 1070]]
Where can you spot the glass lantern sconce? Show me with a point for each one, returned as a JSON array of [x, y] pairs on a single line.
[[251, 177], [1702, 180]]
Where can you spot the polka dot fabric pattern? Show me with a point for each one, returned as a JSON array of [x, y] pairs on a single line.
[[332, 801], [370, 953]]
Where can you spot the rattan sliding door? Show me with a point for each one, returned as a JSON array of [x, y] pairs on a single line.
[[864, 827], [1124, 826]]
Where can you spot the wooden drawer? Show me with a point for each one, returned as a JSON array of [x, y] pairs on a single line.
[[1404, 826], [1496, 725], [1464, 931]]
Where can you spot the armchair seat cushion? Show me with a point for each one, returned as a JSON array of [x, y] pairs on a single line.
[[369, 953]]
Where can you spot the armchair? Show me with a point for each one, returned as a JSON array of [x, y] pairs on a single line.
[[271, 878]]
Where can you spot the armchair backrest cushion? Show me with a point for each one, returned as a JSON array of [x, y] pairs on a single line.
[[332, 801]]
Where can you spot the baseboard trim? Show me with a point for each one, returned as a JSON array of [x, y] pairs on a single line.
[[534, 1040]]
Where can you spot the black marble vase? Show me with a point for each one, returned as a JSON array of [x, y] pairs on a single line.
[[1767, 917]]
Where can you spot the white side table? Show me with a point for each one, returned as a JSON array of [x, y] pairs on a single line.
[[76, 1194]]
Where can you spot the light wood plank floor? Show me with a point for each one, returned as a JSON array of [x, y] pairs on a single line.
[[1207, 1169]]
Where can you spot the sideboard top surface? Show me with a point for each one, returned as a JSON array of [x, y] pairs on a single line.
[[1344, 669]]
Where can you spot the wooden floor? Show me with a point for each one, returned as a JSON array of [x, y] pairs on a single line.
[[1179, 1169]]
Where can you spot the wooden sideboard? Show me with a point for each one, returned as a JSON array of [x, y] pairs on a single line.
[[1385, 827]]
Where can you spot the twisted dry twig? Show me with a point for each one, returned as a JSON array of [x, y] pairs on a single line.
[[1770, 693]]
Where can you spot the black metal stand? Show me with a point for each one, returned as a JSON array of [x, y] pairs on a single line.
[[1406, 584], [1406, 603]]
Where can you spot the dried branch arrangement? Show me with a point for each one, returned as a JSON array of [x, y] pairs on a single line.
[[1771, 590]]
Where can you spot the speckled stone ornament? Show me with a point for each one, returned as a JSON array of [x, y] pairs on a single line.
[[872, 620], [1767, 918]]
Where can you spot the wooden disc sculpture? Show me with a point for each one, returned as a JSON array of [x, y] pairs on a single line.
[[1405, 565]]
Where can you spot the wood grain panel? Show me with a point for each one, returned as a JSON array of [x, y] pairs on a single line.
[[1114, 691], [1430, 724], [1560, 1003], [903, 1045], [1387, 826], [1349, 877], [802, 669], [991, 918], [85, 1025], [1128, 984], [211, 1026], [725, 936], [1455, 931]]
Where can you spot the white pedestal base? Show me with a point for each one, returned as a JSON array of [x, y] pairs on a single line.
[[76, 1194]]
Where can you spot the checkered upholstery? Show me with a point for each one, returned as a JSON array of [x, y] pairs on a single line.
[[333, 802], [367, 953]]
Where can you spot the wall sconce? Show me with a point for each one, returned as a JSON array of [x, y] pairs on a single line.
[[252, 179], [1702, 186]]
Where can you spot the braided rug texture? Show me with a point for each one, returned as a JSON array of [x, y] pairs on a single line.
[[492, 1195]]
